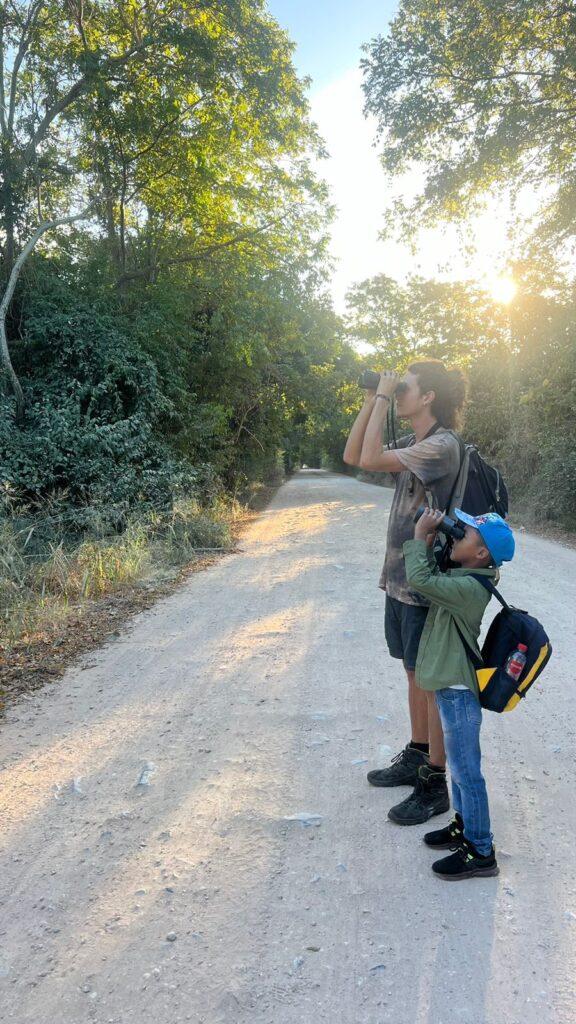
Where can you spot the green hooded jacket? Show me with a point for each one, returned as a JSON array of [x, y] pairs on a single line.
[[455, 598]]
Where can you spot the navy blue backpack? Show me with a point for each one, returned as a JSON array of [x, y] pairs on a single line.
[[510, 627]]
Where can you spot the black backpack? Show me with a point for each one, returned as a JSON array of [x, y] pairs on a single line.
[[512, 626], [478, 487]]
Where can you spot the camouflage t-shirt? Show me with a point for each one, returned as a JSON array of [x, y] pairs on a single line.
[[431, 466]]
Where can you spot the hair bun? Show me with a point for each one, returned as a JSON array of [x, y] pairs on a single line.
[[458, 386]]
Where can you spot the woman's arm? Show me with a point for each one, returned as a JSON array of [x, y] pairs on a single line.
[[353, 449], [374, 457]]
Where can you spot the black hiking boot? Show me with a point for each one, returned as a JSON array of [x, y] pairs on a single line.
[[402, 772], [466, 862], [446, 838], [430, 797]]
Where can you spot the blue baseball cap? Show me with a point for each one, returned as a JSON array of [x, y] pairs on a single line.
[[495, 533]]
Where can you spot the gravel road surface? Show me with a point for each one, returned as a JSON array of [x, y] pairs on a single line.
[[155, 865]]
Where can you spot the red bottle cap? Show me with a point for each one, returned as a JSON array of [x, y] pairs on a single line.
[[523, 648]]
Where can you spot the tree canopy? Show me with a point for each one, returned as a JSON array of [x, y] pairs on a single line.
[[481, 96], [182, 125], [163, 248], [420, 318]]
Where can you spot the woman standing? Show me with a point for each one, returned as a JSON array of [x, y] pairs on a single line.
[[426, 465]]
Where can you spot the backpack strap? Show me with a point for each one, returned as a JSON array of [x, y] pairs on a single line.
[[489, 586], [462, 447], [476, 661]]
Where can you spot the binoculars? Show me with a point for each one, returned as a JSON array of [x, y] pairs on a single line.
[[450, 527], [371, 379]]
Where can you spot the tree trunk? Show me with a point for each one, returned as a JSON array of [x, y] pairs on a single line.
[[7, 298]]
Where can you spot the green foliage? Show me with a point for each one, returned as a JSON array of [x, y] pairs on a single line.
[[94, 408], [185, 125], [523, 408], [166, 349], [521, 366], [198, 384], [551, 491], [452, 321], [480, 95]]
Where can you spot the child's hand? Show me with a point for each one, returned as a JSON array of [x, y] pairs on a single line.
[[427, 525]]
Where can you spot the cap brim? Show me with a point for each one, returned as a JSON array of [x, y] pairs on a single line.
[[465, 518]]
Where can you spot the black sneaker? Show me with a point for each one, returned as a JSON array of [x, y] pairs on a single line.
[[430, 797], [402, 772], [466, 862], [445, 838]]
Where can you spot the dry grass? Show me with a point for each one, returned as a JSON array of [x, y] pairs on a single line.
[[41, 583]]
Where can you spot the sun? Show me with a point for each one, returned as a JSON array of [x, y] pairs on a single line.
[[503, 289]]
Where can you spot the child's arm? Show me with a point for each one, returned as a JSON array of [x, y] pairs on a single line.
[[450, 592]]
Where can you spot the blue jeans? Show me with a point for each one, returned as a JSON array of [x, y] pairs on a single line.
[[461, 717]]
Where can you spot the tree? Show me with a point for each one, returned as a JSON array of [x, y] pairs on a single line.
[[452, 321], [480, 95], [183, 125]]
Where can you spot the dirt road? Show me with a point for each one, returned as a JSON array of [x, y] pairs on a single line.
[[151, 869]]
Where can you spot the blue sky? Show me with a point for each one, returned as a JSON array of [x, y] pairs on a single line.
[[329, 33]]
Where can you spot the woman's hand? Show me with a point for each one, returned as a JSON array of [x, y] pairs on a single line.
[[426, 527], [389, 381]]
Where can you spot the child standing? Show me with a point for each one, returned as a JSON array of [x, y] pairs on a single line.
[[458, 601]]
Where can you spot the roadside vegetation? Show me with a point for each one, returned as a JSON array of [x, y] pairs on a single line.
[[168, 346]]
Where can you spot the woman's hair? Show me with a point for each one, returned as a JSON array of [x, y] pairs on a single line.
[[450, 387]]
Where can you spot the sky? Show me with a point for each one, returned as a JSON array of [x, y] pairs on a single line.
[[328, 35]]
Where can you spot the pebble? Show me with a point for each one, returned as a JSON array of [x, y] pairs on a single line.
[[146, 773], [171, 937], [305, 818]]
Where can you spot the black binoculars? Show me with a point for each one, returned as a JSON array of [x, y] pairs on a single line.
[[450, 527], [370, 379]]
